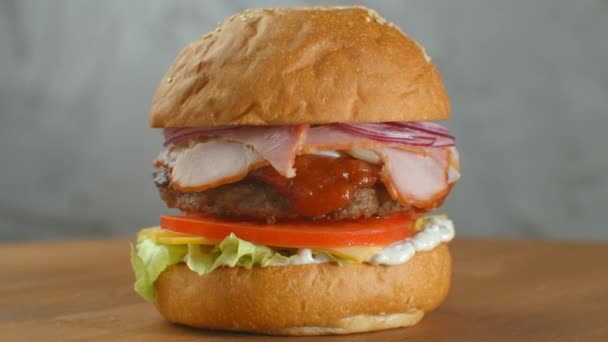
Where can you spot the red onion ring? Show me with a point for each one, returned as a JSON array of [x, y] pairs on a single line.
[[406, 133], [427, 134], [426, 127]]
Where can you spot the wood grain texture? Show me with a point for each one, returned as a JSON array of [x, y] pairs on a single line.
[[502, 290]]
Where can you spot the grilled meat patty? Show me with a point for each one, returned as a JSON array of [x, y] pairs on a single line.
[[254, 199]]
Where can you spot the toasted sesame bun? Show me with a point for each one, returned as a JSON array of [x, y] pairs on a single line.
[[300, 65], [314, 299]]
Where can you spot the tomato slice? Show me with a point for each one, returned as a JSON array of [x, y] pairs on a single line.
[[362, 232]]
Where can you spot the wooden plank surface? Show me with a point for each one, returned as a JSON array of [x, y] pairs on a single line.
[[502, 290]]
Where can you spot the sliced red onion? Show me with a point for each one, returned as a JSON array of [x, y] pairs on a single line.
[[444, 138], [407, 133], [426, 127]]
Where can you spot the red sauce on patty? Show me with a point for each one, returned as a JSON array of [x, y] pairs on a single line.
[[322, 184]]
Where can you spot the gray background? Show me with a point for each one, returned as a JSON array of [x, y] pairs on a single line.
[[528, 82]]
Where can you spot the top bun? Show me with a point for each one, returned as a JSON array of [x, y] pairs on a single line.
[[300, 65]]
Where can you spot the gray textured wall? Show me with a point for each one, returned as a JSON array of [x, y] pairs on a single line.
[[528, 82]]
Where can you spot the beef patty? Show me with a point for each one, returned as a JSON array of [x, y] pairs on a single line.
[[254, 199]]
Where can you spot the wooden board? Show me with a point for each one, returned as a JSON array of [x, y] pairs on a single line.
[[502, 290]]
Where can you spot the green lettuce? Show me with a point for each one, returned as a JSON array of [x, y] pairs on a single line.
[[231, 252], [149, 259]]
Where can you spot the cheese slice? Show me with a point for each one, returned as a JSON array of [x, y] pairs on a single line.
[[167, 237], [423, 221], [356, 254]]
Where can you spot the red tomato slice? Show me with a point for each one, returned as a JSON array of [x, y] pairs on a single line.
[[363, 232]]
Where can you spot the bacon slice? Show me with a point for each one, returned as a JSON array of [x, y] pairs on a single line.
[[212, 163], [278, 145]]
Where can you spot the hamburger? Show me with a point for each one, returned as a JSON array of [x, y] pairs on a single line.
[[301, 154]]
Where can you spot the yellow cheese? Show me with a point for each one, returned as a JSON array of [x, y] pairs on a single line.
[[356, 254], [422, 222], [168, 237]]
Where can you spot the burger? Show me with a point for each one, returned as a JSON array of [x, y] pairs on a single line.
[[301, 154]]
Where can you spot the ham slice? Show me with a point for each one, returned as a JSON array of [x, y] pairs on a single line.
[[330, 138], [415, 179], [454, 168], [278, 145], [413, 175], [212, 163]]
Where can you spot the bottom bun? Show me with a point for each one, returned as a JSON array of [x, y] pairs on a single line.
[[314, 299]]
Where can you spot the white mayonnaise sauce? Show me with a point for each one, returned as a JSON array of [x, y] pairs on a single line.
[[305, 256], [436, 231]]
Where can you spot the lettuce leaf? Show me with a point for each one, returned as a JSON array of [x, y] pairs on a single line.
[[149, 259], [231, 252]]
